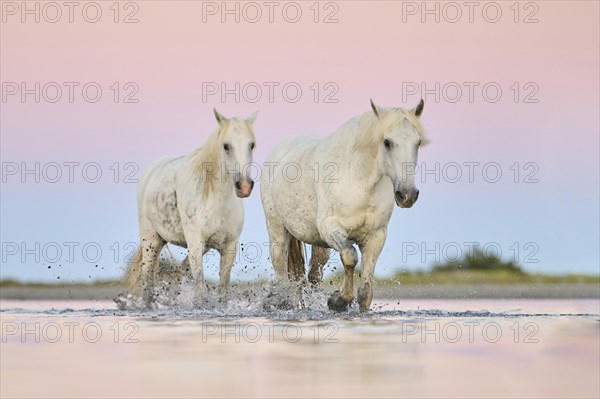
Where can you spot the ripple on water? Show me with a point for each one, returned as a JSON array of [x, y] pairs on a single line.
[[288, 302]]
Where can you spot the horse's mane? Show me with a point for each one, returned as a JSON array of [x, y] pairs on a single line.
[[208, 156], [372, 128]]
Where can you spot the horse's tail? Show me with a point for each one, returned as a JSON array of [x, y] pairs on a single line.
[[296, 259], [133, 274]]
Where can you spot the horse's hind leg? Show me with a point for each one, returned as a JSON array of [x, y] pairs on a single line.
[[151, 245], [196, 249], [295, 260], [279, 244], [318, 259], [228, 254], [185, 272]]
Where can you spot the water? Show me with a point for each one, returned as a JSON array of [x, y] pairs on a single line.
[[411, 348]]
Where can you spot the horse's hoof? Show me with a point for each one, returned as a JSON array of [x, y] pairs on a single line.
[[205, 302], [200, 300], [363, 308], [147, 303], [336, 303], [364, 299], [122, 302], [278, 302]]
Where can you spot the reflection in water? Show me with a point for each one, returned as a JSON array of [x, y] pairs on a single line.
[[415, 348]]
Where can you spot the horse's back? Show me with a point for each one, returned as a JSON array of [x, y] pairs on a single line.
[[292, 148], [292, 179], [305, 160], [157, 200], [159, 176], [288, 162]]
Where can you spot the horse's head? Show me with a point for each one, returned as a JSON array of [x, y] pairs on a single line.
[[401, 135], [236, 143]]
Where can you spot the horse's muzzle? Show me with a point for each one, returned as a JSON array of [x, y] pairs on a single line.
[[406, 199], [244, 187]]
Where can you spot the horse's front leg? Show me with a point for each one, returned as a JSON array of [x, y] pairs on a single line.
[[228, 254], [370, 249], [196, 249], [337, 238], [151, 246]]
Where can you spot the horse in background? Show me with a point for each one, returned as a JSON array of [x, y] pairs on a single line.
[[195, 201]]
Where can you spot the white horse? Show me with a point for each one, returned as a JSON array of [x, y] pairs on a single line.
[[189, 201], [362, 168]]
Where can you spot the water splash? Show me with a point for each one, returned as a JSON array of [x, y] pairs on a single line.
[[270, 297]]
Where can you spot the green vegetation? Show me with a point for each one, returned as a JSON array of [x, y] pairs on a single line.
[[479, 261], [478, 268], [449, 277]]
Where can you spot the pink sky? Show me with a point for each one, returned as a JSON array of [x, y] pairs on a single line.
[[370, 52]]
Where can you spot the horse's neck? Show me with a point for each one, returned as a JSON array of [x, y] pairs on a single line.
[[365, 167], [364, 162]]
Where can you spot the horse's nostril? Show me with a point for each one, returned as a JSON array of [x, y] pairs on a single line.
[[416, 195], [399, 196], [251, 184], [238, 185]]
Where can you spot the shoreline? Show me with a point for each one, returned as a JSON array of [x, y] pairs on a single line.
[[381, 291]]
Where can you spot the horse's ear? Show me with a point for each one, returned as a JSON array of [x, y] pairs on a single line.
[[375, 108], [220, 118], [418, 110], [252, 118]]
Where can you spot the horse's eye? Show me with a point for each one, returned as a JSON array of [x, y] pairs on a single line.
[[252, 146], [419, 143], [387, 143], [226, 147]]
